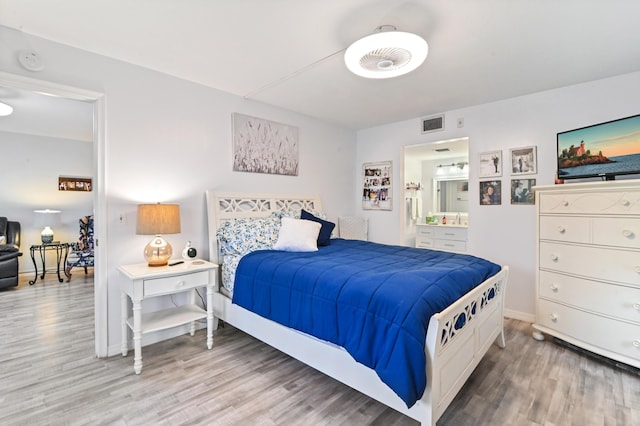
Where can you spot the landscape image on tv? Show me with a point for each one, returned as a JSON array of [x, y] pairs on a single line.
[[606, 149]]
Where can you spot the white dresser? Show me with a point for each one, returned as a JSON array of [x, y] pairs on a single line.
[[442, 237], [588, 274]]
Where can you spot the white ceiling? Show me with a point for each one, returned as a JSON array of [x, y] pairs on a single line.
[[272, 51]]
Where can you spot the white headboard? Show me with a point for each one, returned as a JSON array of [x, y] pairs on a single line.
[[222, 206]]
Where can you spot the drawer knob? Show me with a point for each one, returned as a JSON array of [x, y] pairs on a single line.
[[554, 288], [636, 343], [637, 269], [554, 257], [181, 283], [553, 317], [626, 203], [627, 233], [636, 306], [561, 229], [565, 203]]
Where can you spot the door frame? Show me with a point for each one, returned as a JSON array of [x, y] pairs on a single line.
[[99, 199]]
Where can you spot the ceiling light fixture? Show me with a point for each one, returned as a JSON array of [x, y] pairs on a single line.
[[386, 53], [5, 109]]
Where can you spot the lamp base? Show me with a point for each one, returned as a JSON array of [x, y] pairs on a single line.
[[46, 235], [158, 252]]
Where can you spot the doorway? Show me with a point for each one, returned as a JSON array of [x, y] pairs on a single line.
[[18, 82], [424, 166]]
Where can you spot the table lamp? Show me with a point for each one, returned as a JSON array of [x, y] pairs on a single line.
[[157, 219], [47, 218]]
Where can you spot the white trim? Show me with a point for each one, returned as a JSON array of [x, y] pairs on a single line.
[[521, 316], [99, 197]]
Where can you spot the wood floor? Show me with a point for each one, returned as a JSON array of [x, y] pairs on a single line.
[[49, 376]]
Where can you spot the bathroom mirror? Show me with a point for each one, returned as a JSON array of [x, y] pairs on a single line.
[[451, 195]]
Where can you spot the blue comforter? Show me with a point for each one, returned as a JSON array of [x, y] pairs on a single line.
[[374, 300]]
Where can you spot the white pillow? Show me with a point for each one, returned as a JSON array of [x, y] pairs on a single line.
[[298, 235], [2, 239]]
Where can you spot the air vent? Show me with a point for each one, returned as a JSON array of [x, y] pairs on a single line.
[[432, 124]]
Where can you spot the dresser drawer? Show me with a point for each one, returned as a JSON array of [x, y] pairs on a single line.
[[608, 299], [427, 243], [158, 286], [620, 232], [591, 202], [597, 263], [565, 228], [453, 233], [608, 334], [451, 245], [425, 231]]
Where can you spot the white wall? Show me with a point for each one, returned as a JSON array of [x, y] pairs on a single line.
[[30, 182], [168, 140], [504, 234]]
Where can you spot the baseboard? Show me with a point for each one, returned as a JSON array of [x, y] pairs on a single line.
[[522, 316]]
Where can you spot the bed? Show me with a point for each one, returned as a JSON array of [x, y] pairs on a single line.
[[457, 337]]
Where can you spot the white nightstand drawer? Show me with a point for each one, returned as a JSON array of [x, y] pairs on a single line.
[[618, 232], [593, 262], [158, 286], [608, 299], [610, 335], [565, 228]]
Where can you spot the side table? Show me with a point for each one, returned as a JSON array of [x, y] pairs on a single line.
[[60, 249], [144, 282]]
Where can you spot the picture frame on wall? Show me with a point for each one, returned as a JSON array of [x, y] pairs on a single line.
[[524, 161], [263, 146], [71, 183], [491, 193], [490, 164], [376, 186], [522, 191]]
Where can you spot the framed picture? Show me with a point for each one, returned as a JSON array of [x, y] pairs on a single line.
[[263, 146], [522, 191], [376, 186], [490, 164], [491, 193], [523, 161], [68, 183]]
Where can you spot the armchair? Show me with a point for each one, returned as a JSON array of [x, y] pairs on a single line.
[[9, 252], [82, 252]]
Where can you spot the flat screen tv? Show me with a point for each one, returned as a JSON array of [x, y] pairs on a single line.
[[604, 150]]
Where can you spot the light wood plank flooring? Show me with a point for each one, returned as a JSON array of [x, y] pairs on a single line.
[[49, 376]]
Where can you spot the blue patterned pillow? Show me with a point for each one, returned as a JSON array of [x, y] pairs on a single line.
[[244, 235]]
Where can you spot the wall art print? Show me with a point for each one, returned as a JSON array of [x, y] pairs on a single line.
[[376, 186], [263, 146], [490, 164]]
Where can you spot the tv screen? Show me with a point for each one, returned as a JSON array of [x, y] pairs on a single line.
[[606, 150]]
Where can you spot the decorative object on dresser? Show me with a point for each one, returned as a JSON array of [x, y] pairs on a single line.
[[157, 219], [588, 274], [47, 218], [144, 282]]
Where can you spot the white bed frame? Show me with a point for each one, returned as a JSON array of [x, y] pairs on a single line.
[[452, 354]]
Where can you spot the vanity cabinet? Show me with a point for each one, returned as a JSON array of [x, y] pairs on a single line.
[[588, 267], [442, 237]]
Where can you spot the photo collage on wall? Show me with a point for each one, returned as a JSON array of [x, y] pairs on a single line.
[[376, 186], [523, 161]]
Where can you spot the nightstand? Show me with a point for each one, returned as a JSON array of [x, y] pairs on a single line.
[[144, 282]]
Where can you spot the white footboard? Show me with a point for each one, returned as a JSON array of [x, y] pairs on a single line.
[[452, 353]]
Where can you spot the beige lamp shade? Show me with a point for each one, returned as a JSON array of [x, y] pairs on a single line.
[[157, 219]]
